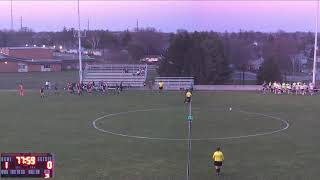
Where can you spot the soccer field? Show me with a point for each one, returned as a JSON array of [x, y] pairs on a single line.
[[142, 136]]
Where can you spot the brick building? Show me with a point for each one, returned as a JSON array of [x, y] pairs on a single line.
[[28, 52], [36, 59]]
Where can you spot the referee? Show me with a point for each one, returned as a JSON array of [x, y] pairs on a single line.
[[188, 97], [161, 84], [218, 158]]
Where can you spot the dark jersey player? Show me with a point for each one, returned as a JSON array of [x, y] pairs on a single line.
[[41, 92]]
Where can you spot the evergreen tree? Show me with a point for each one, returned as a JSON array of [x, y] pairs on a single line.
[[198, 54], [269, 72]]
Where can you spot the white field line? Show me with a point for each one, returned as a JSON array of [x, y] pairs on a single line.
[[282, 128]]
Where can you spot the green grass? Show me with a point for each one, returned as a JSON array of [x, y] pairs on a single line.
[[34, 80], [63, 125]]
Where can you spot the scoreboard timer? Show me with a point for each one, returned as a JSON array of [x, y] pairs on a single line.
[[34, 165]]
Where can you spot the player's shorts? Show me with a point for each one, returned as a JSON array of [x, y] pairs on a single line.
[[160, 88], [218, 163]]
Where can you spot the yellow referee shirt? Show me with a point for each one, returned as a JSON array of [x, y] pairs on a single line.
[[218, 156]]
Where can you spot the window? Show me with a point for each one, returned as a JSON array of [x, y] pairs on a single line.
[[20, 66]]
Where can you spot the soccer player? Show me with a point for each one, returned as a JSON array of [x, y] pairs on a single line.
[[188, 97], [46, 85], [117, 89], [56, 91], [161, 85], [294, 88], [298, 88], [218, 158], [79, 91], [283, 88], [41, 92], [288, 87], [270, 87], [121, 87], [311, 88], [104, 87], [304, 89], [21, 90], [264, 87], [275, 87]]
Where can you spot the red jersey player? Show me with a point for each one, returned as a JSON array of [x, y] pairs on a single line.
[[21, 89]]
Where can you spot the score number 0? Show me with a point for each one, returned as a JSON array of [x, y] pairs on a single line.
[[49, 167]]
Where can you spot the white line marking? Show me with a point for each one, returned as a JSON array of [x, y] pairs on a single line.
[[287, 125]]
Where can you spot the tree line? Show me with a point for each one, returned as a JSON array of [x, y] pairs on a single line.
[[209, 56], [135, 45]]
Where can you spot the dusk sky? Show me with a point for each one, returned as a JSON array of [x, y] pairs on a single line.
[[167, 16]]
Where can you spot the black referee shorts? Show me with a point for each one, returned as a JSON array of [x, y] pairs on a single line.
[[218, 163]]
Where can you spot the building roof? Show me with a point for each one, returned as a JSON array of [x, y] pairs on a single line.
[[4, 57], [152, 56], [43, 61], [16, 48], [71, 58], [64, 56], [60, 60]]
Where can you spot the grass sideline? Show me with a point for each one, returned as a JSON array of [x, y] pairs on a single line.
[[63, 125]]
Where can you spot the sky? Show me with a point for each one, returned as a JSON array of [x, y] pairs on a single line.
[[167, 16]]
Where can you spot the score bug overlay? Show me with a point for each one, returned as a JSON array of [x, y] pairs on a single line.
[[34, 165]]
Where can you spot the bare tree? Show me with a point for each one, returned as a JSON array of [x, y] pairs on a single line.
[[94, 38]]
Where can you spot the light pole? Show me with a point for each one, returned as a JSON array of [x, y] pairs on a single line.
[[315, 47], [79, 40], [11, 18]]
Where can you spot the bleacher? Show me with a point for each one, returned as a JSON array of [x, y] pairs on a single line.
[[175, 83], [114, 74]]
